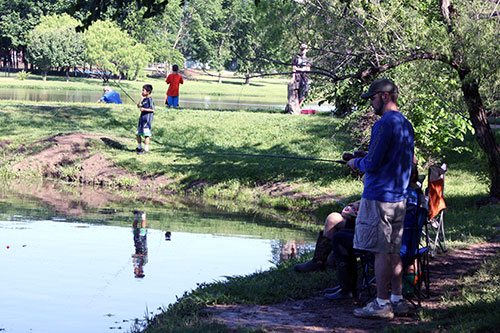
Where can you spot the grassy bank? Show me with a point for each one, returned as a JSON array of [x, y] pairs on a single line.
[[276, 285], [194, 149], [190, 146]]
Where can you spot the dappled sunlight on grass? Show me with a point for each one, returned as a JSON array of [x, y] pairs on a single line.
[[474, 309]]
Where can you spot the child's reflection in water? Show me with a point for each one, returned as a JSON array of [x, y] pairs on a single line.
[[140, 257]]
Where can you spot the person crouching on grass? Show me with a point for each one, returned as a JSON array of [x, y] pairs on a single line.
[[147, 108]]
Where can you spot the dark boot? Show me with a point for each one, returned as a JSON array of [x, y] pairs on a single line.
[[321, 252], [346, 262], [331, 263], [346, 276]]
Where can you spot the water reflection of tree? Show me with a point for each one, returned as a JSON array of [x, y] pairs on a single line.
[[284, 250]]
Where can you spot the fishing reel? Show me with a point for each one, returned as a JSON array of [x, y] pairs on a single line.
[[355, 154]]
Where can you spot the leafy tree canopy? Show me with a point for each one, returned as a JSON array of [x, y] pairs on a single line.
[[435, 53], [113, 50], [160, 34], [119, 9], [114, 9], [19, 17], [55, 43]]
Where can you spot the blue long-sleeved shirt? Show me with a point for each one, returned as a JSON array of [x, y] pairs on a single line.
[[387, 166], [111, 97]]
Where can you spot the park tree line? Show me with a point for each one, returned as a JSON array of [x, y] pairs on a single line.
[[55, 43], [219, 34], [443, 54]]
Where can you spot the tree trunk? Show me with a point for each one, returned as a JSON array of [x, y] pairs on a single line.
[[168, 68], [484, 134], [25, 61], [67, 74], [293, 98], [247, 78]]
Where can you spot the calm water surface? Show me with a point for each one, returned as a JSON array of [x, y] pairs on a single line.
[[75, 96], [98, 273]]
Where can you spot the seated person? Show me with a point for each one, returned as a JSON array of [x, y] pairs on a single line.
[[333, 223], [110, 96], [343, 252], [347, 271]]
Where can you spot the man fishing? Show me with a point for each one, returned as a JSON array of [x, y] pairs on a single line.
[[110, 96]]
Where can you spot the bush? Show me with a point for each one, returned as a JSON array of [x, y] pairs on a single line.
[[22, 75]]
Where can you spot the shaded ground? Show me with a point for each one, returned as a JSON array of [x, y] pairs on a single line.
[[318, 314]]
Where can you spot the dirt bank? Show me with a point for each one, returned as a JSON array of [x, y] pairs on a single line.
[[92, 168], [318, 314], [48, 157]]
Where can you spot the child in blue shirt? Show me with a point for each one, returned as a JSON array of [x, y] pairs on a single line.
[[147, 108]]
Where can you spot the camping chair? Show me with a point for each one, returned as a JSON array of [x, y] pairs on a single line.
[[366, 287], [415, 248], [413, 253], [435, 191]]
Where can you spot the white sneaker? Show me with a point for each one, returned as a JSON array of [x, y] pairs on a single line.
[[376, 311]]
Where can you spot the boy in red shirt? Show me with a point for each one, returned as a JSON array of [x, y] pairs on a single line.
[[173, 80]]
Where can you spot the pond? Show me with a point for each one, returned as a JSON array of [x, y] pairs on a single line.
[[109, 268], [82, 96]]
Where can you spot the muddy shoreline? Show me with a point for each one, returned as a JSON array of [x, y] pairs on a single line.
[[99, 181]]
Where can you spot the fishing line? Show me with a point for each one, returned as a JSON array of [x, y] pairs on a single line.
[[124, 91], [119, 85], [340, 202], [270, 156]]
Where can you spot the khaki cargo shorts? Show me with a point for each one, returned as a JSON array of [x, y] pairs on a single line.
[[379, 226]]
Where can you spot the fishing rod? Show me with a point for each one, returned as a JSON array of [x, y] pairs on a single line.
[[119, 85], [271, 156], [124, 91]]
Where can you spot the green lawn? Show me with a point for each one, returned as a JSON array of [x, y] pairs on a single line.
[[191, 145]]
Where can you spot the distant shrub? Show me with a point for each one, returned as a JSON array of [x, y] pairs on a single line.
[[22, 75]]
